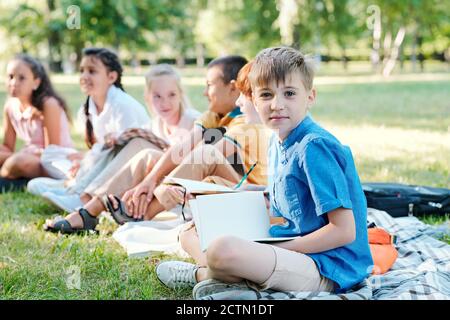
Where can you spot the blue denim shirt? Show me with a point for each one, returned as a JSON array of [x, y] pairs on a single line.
[[312, 173]]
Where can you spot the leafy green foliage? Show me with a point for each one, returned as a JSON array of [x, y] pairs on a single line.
[[172, 28]]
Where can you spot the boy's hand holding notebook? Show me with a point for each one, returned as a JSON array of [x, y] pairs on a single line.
[[240, 214]]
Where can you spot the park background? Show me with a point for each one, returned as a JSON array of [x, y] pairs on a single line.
[[383, 89]]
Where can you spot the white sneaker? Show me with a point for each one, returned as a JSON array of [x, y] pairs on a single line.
[[39, 186], [177, 274], [68, 203]]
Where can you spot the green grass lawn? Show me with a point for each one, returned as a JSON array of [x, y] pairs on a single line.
[[398, 130]]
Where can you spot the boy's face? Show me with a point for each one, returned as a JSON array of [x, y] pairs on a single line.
[[283, 106], [222, 97]]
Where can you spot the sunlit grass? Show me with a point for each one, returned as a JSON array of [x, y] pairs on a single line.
[[398, 155]]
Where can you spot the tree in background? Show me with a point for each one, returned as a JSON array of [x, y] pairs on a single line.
[[405, 22], [427, 23], [126, 27], [237, 26], [26, 23], [178, 31], [318, 24], [342, 25], [198, 28]]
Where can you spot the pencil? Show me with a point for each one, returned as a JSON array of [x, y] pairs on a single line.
[[245, 176]]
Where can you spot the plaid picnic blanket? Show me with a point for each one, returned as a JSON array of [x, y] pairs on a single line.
[[421, 271]]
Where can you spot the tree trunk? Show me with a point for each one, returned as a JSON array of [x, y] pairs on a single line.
[[200, 52], [420, 55], [447, 57], [116, 44], [387, 45], [180, 60], [54, 43], [317, 47], [54, 50], [344, 59], [393, 54], [374, 23], [79, 52], [402, 59], [296, 36], [414, 51], [287, 19], [135, 62]]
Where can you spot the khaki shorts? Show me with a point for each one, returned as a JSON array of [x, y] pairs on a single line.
[[295, 272]]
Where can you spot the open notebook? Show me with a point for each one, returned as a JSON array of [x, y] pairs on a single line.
[[241, 214], [198, 187]]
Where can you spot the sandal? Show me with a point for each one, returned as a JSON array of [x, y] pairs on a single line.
[[120, 215], [63, 226]]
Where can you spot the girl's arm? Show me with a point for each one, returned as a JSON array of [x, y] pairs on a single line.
[[169, 160], [9, 138], [9, 134], [339, 232], [52, 121]]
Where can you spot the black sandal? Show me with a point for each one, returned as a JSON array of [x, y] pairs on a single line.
[[63, 226], [120, 215]]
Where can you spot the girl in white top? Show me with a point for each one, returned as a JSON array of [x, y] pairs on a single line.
[[107, 112]]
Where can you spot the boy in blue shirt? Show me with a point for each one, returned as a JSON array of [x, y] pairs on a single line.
[[313, 184]]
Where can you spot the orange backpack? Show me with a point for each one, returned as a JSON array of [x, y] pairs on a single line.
[[382, 248]]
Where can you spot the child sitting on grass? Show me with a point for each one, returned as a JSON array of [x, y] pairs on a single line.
[[33, 113], [314, 186]]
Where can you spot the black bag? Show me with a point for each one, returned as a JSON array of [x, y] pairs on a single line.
[[401, 200]]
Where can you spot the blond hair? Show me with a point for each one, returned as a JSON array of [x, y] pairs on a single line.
[[167, 70], [275, 64]]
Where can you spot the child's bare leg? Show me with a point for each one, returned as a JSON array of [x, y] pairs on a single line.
[[93, 206], [22, 165], [191, 244], [153, 208], [5, 153], [231, 259], [85, 198]]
